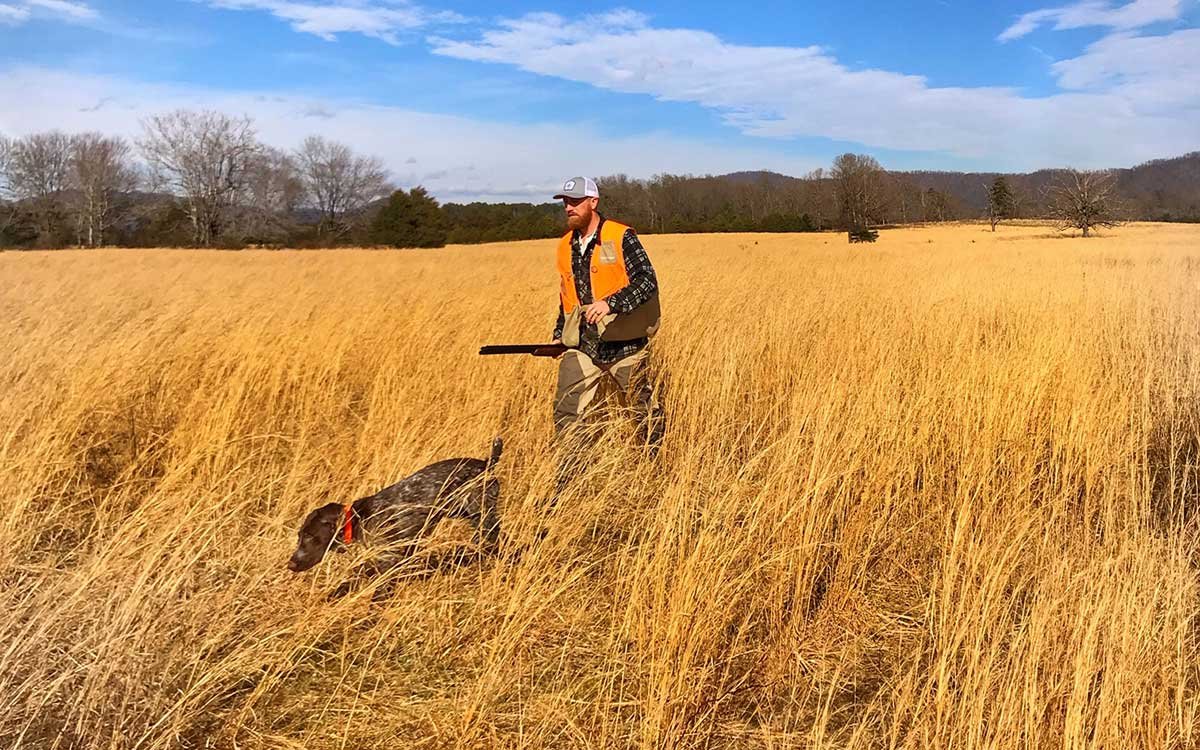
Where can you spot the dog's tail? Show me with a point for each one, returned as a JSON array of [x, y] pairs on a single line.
[[497, 449], [489, 522]]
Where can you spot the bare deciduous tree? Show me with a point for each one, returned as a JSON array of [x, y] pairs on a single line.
[[858, 179], [6, 147], [8, 209], [203, 156], [270, 193], [934, 205], [100, 172], [337, 182], [38, 171], [1084, 200]]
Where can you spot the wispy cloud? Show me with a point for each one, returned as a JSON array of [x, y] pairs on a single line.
[[1133, 15], [381, 19], [803, 91], [1156, 78], [16, 12], [12, 14], [459, 158], [24, 10]]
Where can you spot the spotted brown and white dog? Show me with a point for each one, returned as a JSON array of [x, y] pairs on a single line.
[[399, 515]]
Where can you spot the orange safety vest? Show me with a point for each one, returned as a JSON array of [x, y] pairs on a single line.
[[608, 265]]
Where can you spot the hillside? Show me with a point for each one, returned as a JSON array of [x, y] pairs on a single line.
[[1163, 189], [1159, 190]]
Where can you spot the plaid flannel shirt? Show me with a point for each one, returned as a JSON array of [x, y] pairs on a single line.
[[642, 286]]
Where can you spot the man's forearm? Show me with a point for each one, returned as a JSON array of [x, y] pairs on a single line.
[[633, 296], [558, 326]]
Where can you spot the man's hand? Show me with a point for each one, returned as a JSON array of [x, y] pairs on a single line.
[[595, 311]]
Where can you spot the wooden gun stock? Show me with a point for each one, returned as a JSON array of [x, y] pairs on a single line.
[[537, 350]]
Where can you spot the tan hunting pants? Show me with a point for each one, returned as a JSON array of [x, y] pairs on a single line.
[[582, 384]]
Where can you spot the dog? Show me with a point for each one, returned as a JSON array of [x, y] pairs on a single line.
[[399, 515]]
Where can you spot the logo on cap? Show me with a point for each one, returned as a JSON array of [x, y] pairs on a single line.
[[569, 185]]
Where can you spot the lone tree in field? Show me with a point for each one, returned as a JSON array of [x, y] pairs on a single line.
[[101, 172], [1084, 200], [858, 181], [1002, 204], [339, 183], [202, 156], [411, 219]]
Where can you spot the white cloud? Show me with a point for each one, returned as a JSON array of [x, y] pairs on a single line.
[[23, 10], [13, 13], [460, 158], [381, 20], [63, 7], [1145, 65], [1087, 13], [803, 91]]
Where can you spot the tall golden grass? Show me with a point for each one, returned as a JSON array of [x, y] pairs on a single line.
[[935, 492]]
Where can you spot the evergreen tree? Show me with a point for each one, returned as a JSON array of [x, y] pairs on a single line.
[[411, 219], [1001, 202]]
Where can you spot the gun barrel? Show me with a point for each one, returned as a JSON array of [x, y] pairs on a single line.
[[508, 349], [537, 350]]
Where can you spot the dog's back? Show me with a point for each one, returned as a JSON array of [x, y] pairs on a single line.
[[445, 488], [402, 512]]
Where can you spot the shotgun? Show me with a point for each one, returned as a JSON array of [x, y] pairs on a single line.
[[537, 350]]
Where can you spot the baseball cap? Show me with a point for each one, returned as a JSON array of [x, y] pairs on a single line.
[[579, 187]]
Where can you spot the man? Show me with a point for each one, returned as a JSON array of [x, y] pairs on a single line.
[[608, 309]]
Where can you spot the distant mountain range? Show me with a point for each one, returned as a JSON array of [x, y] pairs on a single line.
[[1163, 189]]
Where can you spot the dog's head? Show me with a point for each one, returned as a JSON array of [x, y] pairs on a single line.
[[318, 533]]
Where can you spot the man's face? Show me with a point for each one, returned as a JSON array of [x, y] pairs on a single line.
[[579, 211]]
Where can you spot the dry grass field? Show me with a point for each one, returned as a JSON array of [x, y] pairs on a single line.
[[935, 492]]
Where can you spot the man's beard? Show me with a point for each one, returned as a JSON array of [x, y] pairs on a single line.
[[577, 221]]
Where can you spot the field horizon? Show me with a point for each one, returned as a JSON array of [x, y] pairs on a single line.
[[935, 491]]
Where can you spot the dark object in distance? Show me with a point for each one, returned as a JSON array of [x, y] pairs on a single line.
[[863, 235], [537, 350], [400, 514]]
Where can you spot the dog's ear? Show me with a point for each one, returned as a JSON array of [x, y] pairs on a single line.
[[318, 532], [325, 523]]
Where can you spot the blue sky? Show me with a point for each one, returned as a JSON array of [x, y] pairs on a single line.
[[501, 100]]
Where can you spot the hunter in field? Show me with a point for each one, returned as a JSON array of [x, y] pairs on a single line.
[[608, 311]]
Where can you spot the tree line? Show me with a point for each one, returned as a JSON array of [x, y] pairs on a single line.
[[203, 178], [857, 193]]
